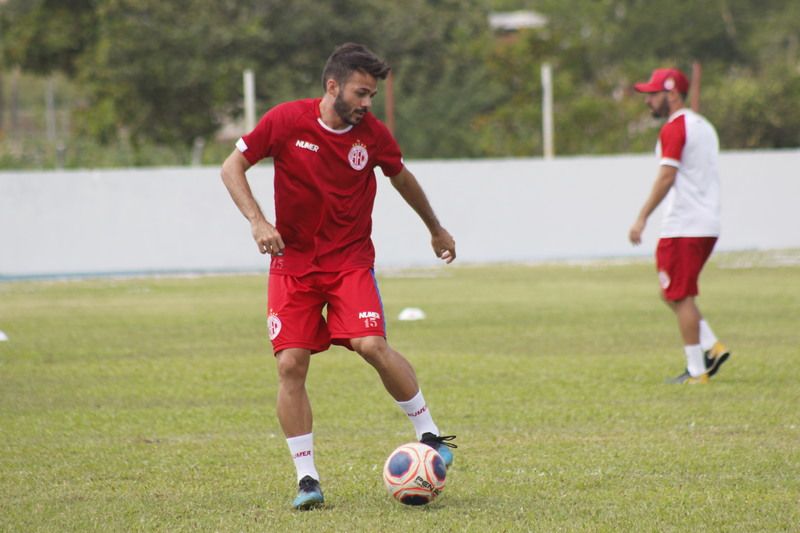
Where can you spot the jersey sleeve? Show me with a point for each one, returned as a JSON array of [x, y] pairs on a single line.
[[390, 158], [672, 140], [266, 138]]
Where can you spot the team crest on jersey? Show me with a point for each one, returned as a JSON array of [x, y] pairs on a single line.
[[274, 326], [663, 279], [358, 156]]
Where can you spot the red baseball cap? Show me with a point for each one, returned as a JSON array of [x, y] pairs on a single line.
[[664, 79]]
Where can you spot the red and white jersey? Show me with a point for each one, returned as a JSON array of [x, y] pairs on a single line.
[[689, 142], [324, 185]]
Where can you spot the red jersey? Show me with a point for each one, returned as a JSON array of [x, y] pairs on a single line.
[[324, 185]]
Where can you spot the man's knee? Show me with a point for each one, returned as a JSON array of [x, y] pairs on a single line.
[[371, 348], [292, 365], [687, 302], [672, 303]]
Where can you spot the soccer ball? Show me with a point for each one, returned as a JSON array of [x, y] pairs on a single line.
[[414, 474]]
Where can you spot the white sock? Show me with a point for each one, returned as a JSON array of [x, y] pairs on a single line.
[[695, 363], [302, 450], [419, 414], [707, 337]]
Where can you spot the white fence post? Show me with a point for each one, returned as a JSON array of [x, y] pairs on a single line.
[[547, 111], [249, 100]]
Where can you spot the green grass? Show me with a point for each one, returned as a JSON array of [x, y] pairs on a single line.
[[148, 405]]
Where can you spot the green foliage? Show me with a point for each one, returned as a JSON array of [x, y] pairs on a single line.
[[148, 405], [157, 68], [749, 52], [46, 35], [153, 73], [757, 111], [440, 121]]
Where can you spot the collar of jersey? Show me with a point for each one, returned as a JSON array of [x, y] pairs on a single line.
[[328, 128], [679, 112]]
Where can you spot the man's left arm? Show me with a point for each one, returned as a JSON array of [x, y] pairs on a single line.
[[409, 188]]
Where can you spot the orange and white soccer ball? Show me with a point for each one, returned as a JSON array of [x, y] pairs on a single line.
[[414, 474]]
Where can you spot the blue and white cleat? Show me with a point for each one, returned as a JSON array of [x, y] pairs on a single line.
[[441, 444], [309, 494]]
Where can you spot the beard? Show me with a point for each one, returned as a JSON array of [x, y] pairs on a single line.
[[349, 114], [662, 111]]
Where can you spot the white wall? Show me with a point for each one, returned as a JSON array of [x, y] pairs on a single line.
[[182, 219]]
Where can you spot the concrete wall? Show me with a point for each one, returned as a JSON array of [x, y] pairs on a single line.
[[182, 219]]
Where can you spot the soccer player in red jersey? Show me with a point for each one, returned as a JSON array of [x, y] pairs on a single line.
[[324, 152], [688, 179]]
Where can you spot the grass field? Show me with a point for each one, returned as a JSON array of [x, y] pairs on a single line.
[[148, 405]]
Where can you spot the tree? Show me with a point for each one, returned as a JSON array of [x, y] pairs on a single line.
[[43, 36], [749, 51], [170, 71], [159, 69]]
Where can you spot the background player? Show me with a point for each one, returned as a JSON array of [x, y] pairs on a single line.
[[688, 149], [324, 152]]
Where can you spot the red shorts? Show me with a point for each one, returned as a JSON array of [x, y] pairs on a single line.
[[295, 318], [679, 261]]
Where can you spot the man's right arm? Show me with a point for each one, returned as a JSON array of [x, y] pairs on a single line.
[[235, 179], [664, 180]]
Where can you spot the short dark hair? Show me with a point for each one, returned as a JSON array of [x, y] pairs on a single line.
[[349, 57]]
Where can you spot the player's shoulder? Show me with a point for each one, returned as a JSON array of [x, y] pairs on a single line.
[[676, 123], [374, 122], [679, 116], [686, 116], [294, 108], [376, 128], [698, 118], [693, 121]]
